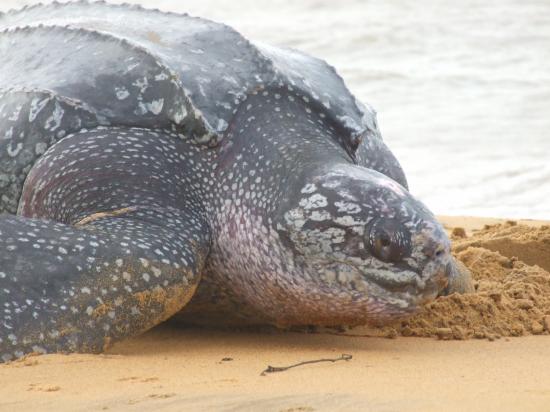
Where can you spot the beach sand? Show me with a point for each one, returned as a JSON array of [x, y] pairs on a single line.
[[174, 368]]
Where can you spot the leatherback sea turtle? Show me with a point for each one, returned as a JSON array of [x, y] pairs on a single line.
[[143, 151]]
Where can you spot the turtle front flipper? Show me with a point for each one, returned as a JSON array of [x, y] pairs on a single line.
[[125, 253]]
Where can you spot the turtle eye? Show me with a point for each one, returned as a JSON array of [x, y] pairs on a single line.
[[388, 240]]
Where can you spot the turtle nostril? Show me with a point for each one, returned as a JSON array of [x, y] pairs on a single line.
[[434, 251]]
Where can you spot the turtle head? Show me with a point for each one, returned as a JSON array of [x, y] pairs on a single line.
[[367, 249]]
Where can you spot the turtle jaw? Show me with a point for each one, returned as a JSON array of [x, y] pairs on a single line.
[[375, 296], [404, 288]]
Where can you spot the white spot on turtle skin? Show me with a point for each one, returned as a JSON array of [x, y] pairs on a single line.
[[345, 220], [40, 148], [319, 216], [121, 93], [347, 207], [155, 106], [222, 125], [14, 152], [338, 235], [309, 188], [295, 217], [36, 106], [314, 202], [180, 115], [331, 184], [8, 134], [160, 77], [54, 121], [131, 67], [142, 84], [141, 109]]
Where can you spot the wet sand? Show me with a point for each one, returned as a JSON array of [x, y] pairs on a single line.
[[173, 368]]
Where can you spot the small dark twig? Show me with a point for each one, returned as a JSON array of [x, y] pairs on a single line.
[[273, 369]]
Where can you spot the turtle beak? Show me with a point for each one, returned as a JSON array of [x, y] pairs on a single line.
[[435, 285], [459, 279], [450, 272]]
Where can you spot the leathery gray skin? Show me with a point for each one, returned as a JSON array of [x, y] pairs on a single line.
[[153, 163]]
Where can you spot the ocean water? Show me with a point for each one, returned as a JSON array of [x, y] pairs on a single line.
[[462, 88]]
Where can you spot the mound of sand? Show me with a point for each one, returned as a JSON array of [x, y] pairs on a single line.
[[510, 266]]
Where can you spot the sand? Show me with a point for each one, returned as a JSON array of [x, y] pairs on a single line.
[[173, 368]]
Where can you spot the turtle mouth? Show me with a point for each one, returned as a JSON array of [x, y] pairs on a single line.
[[423, 286], [420, 284]]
